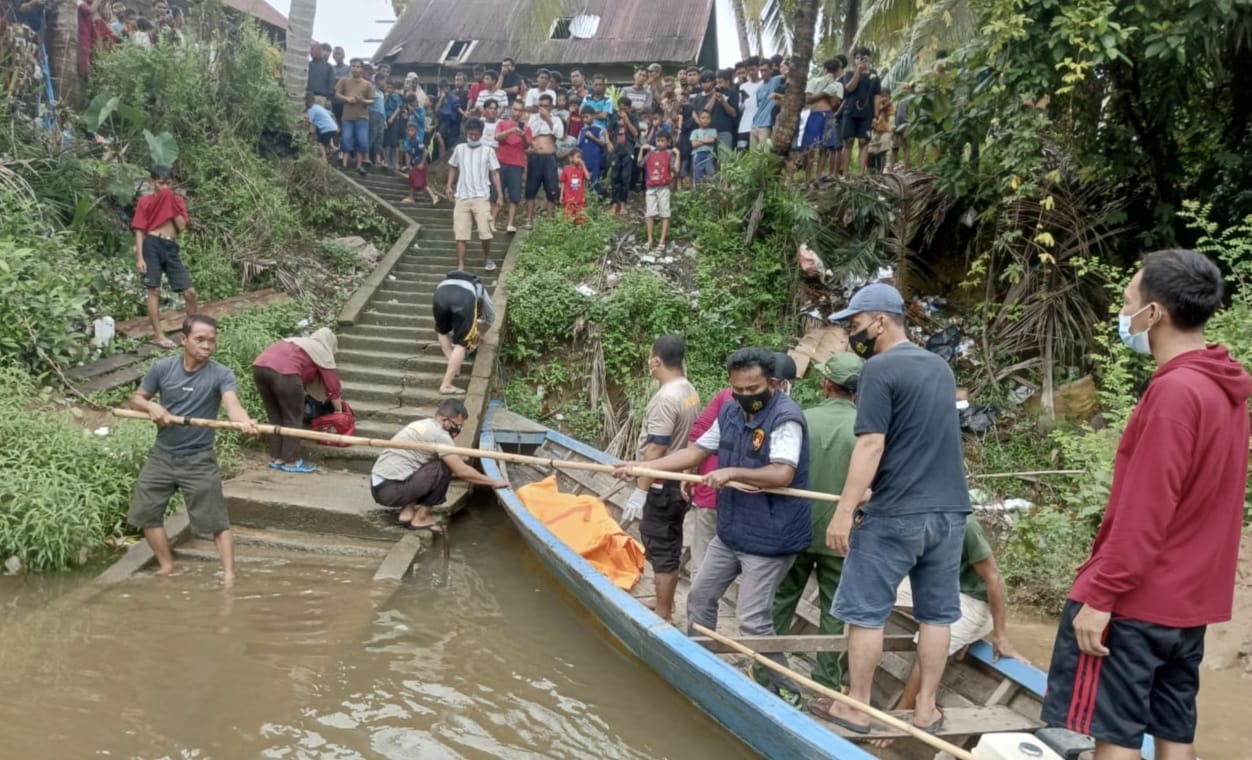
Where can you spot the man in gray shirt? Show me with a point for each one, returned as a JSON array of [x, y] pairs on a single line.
[[189, 385], [908, 448]]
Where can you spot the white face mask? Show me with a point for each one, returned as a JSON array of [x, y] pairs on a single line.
[[1137, 342]]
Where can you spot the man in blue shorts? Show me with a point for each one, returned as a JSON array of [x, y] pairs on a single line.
[[908, 448], [822, 96], [357, 95]]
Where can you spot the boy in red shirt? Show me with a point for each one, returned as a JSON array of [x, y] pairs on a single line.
[[658, 171], [574, 187], [159, 218], [1128, 649]]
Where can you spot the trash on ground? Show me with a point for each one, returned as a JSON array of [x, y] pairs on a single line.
[[979, 419]]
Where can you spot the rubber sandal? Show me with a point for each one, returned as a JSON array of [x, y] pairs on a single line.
[[432, 527], [275, 465], [933, 728], [299, 466], [453, 392], [847, 725], [165, 343], [490, 266]]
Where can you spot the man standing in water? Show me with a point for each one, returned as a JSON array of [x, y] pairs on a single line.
[[1128, 650], [761, 440], [666, 423], [908, 447], [190, 385]]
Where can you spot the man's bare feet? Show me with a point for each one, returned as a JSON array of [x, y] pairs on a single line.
[[228, 580], [406, 515], [164, 570]]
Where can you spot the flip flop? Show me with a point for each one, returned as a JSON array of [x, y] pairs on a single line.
[[490, 266], [165, 343], [432, 527], [933, 728], [453, 392], [275, 465], [847, 725], [299, 466]]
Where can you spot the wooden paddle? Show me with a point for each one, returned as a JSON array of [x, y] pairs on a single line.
[[442, 449], [873, 712]]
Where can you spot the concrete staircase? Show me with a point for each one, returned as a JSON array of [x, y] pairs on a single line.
[[389, 359]]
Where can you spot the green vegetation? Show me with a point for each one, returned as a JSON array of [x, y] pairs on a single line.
[[263, 212]]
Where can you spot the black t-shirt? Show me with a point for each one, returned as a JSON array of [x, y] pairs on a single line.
[[860, 103], [511, 80], [908, 394]]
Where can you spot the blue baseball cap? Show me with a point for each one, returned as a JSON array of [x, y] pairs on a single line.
[[876, 297]]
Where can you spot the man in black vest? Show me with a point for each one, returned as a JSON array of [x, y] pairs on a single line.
[[460, 306], [761, 440]]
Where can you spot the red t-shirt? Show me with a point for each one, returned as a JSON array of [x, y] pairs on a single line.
[[511, 150], [574, 186], [657, 168], [474, 89], [575, 125], [156, 209]]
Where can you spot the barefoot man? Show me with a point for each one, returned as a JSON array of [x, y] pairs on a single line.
[[189, 385]]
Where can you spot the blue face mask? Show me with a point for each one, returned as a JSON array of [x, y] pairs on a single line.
[[1137, 342], [473, 143]]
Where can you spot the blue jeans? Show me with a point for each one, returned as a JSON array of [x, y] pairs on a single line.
[[704, 165], [758, 580], [883, 549], [356, 136]]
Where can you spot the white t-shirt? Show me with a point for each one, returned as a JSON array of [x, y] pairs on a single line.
[[747, 109], [533, 95], [538, 127], [474, 167], [785, 442], [399, 464], [500, 96], [489, 133]]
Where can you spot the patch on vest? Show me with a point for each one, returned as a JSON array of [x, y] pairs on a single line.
[[758, 439]]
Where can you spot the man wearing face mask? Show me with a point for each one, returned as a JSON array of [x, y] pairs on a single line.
[[660, 503], [1130, 641], [414, 481], [908, 448], [831, 440], [784, 372], [761, 440]]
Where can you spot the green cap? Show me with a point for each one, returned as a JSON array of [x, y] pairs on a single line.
[[841, 368]]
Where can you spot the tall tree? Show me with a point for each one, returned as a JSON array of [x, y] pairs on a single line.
[[63, 55], [296, 58], [804, 26], [741, 26]]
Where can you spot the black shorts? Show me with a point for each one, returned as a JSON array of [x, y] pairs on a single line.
[[328, 138], [856, 127], [160, 256], [662, 527], [1147, 683], [541, 170], [427, 487], [454, 313], [511, 182]]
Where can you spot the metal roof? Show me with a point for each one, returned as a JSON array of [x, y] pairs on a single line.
[[629, 31], [261, 11]]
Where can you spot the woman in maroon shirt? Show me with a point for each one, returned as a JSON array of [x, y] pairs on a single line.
[[284, 373]]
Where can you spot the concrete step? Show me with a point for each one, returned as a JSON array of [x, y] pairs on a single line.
[[397, 346], [349, 358], [412, 406], [378, 401], [405, 304], [418, 318], [381, 331], [330, 502], [422, 364]]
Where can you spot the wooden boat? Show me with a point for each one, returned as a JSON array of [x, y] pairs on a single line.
[[978, 695]]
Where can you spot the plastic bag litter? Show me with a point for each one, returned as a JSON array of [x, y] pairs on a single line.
[[978, 419], [945, 343], [811, 264]]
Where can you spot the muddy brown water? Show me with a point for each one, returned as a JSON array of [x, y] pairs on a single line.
[[482, 656]]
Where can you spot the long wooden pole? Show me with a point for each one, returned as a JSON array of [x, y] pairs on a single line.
[[443, 449], [857, 705]]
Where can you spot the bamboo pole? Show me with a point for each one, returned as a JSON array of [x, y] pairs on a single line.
[[873, 712], [443, 449], [1031, 474]]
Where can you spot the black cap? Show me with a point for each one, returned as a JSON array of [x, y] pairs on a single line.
[[162, 172], [784, 366]]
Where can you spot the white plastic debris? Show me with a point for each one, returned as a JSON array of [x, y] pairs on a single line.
[[103, 330], [101, 431], [1019, 394], [13, 565], [586, 290], [647, 259]]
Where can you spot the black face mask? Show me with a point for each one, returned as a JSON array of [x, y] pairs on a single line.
[[752, 403], [862, 344]]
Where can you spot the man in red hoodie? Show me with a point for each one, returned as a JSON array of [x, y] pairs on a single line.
[[1128, 650]]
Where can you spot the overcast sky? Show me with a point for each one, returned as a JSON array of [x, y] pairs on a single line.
[[350, 22]]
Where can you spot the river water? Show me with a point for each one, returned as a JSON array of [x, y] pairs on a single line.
[[481, 656]]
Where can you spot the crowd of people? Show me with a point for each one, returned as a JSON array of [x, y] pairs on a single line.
[[567, 136], [102, 24]]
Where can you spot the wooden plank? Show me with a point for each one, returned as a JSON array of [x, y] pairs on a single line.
[[816, 643], [126, 376], [112, 363], [140, 327], [957, 721]]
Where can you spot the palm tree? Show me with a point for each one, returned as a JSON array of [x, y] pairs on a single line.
[[63, 15], [741, 26], [296, 58], [803, 22]]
